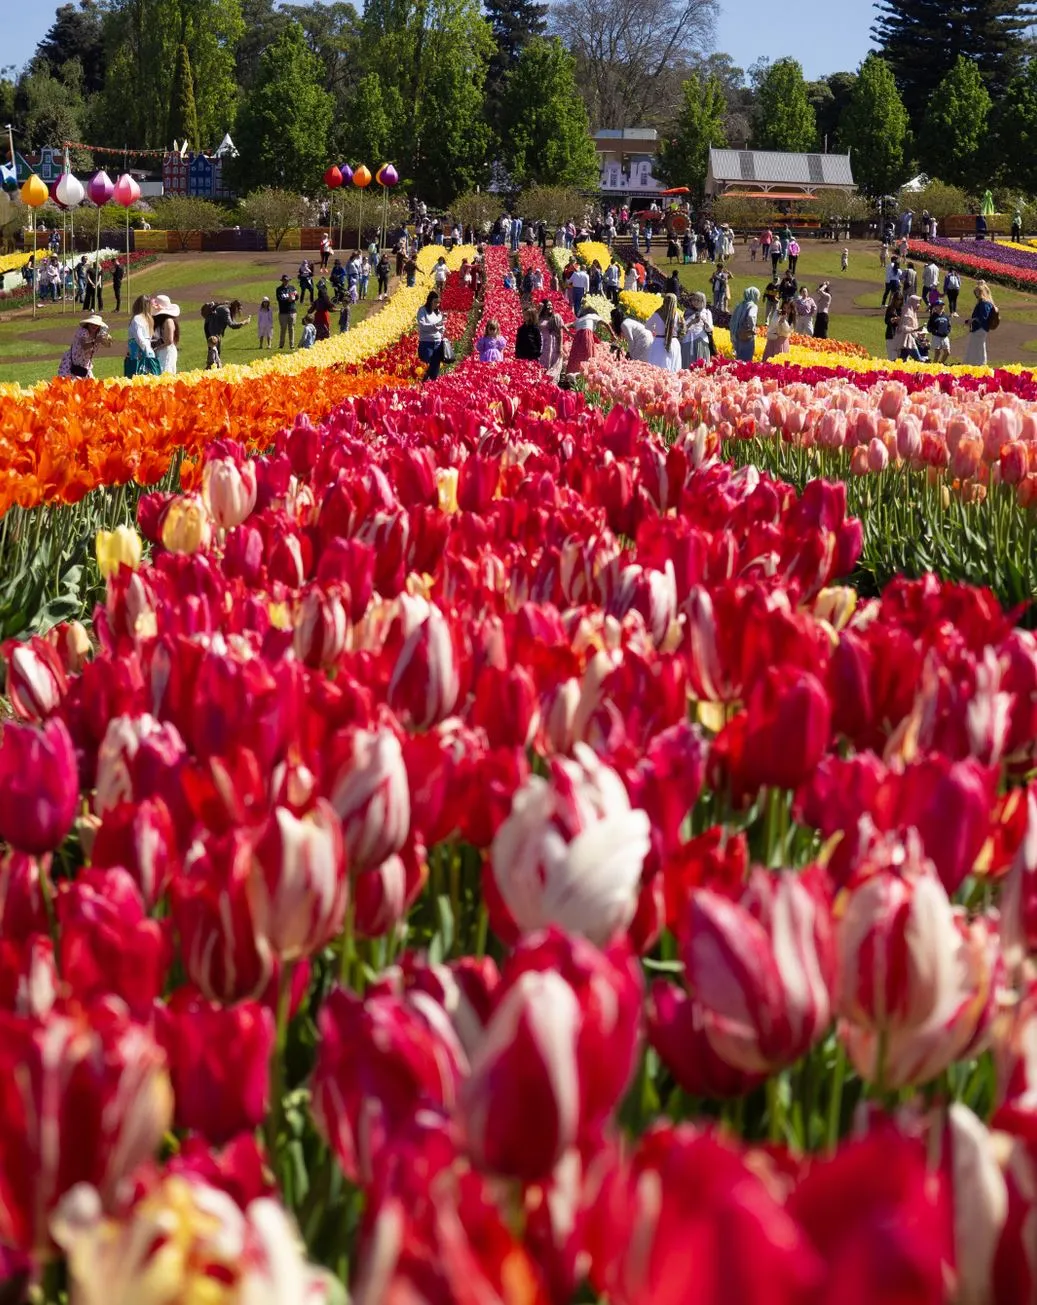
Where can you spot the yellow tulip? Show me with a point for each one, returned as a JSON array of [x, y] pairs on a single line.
[[446, 487], [187, 527], [115, 548]]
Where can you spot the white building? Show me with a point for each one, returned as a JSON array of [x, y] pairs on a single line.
[[626, 158]]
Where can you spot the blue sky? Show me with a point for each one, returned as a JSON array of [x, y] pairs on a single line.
[[747, 29]]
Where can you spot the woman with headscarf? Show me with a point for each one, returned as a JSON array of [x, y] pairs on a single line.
[[985, 318], [743, 325], [664, 326], [698, 331]]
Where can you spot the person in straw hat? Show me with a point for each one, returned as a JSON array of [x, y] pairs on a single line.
[[166, 316], [78, 358]]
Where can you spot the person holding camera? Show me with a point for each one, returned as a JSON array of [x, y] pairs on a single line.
[[78, 359]]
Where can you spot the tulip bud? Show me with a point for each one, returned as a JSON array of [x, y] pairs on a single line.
[[321, 627], [106, 942], [218, 1062], [506, 706], [303, 866], [878, 456], [29, 979], [115, 548], [762, 970], [446, 489], [224, 952], [60, 1074], [370, 794], [425, 681], [36, 679], [39, 785], [379, 1060], [228, 491], [141, 837], [525, 1068], [571, 852], [185, 527]]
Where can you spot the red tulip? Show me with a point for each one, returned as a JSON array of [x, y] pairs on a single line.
[[879, 1220], [39, 785], [139, 758], [83, 1099], [608, 987], [139, 836], [224, 952], [506, 706], [788, 723], [24, 889], [219, 1060], [971, 1170], [369, 791], [761, 970], [380, 1062], [106, 942], [425, 681], [29, 979], [572, 850], [385, 893], [302, 865], [684, 1190], [525, 1069], [917, 981], [35, 678], [321, 627]]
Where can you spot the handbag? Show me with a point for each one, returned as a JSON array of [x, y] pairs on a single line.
[[448, 351]]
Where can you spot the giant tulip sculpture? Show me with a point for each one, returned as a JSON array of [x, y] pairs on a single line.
[[387, 177], [361, 179], [99, 191], [126, 193], [34, 194]]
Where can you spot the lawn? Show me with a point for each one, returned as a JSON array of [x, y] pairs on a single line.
[[857, 294], [30, 351]]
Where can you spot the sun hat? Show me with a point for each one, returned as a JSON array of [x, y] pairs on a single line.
[[93, 320], [163, 306]]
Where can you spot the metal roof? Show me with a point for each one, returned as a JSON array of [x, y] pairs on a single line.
[[775, 167]]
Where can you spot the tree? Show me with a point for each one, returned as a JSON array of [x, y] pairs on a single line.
[[477, 209], [333, 35], [183, 116], [921, 40], [364, 131], [187, 216], [941, 200], [784, 119], [737, 95], [263, 24], [874, 128], [141, 42], [630, 56], [513, 24], [431, 58], [282, 132], [829, 98], [684, 157], [50, 108], [76, 33], [545, 134], [1014, 129], [551, 204], [953, 139], [274, 211]]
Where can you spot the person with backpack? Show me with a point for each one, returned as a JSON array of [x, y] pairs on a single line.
[[951, 288], [939, 328], [985, 318]]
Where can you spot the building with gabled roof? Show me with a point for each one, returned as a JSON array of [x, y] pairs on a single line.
[[775, 174]]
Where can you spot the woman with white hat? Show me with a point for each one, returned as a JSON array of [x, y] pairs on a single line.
[[166, 317], [78, 358]]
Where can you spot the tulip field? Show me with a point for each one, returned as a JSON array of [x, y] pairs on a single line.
[[508, 844]]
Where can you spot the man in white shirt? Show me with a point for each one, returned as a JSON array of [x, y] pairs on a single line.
[[579, 284], [930, 276]]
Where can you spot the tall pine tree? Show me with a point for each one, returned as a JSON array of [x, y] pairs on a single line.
[[513, 23], [183, 115], [921, 41]]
